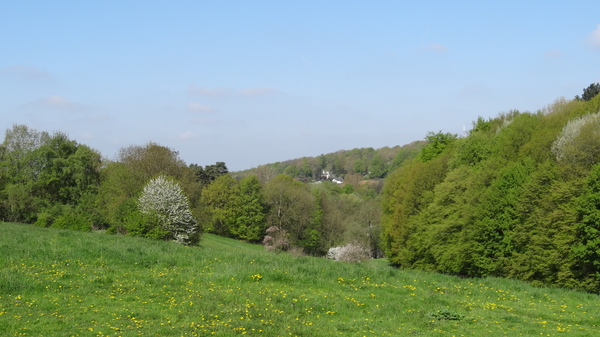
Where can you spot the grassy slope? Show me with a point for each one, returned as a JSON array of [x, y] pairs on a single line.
[[63, 283]]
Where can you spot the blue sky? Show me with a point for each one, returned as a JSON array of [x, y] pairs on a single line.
[[253, 82]]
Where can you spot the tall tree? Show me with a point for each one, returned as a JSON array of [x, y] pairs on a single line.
[[221, 203], [251, 216], [290, 206]]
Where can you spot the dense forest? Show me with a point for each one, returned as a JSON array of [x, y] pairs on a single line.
[[519, 197]]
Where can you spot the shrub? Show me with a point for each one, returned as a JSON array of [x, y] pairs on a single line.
[[445, 315], [72, 220], [296, 251], [145, 225], [64, 217], [276, 239], [163, 201], [349, 253]]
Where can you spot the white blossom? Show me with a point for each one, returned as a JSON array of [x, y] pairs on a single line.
[[563, 146], [349, 253], [165, 199]]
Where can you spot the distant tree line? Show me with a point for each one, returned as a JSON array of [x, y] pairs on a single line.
[[149, 191], [363, 163]]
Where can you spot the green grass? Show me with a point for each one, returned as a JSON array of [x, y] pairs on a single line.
[[65, 283]]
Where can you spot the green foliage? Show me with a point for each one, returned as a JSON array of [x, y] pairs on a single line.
[[498, 217], [408, 190], [446, 315], [221, 200], [376, 167], [251, 218], [209, 173], [406, 153], [39, 170], [579, 141], [347, 189], [356, 161], [147, 225], [122, 181], [436, 144], [515, 198], [475, 148], [590, 92], [291, 206], [360, 166], [73, 220], [587, 249]]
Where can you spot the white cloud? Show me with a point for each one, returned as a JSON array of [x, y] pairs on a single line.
[[257, 91], [26, 72], [186, 135], [200, 108], [554, 54], [436, 48], [58, 102], [594, 39], [212, 92]]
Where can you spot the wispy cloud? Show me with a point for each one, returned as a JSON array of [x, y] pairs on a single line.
[[594, 39], [200, 108], [304, 58], [212, 92], [186, 135], [257, 91], [553, 54], [435, 48], [58, 102], [27, 72]]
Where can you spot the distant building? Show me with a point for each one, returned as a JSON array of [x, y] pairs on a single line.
[[338, 180]]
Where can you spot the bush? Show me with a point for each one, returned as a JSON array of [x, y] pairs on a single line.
[[64, 217], [349, 253], [72, 220], [276, 239], [145, 225], [165, 209]]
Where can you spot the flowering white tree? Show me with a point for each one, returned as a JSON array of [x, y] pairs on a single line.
[[349, 253], [164, 199], [579, 141]]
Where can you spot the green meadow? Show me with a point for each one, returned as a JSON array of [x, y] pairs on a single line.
[[66, 283]]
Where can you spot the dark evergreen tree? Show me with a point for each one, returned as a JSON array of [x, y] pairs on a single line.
[[590, 92]]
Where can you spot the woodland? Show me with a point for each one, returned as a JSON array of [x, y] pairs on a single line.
[[49, 180], [517, 197]]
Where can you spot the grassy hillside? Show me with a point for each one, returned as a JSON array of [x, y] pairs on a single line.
[[66, 283]]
